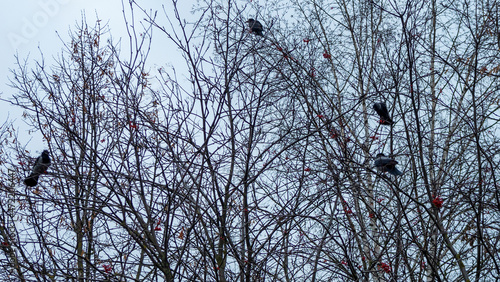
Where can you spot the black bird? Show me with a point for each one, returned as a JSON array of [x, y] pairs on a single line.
[[42, 163], [386, 164], [255, 27], [382, 111]]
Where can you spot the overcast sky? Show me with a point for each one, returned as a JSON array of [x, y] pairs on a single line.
[[28, 25]]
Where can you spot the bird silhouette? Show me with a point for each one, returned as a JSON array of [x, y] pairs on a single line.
[[255, 27], [42, 163], [386, 164], [382, 111]]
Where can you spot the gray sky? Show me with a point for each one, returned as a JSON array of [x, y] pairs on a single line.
[[30, 25]]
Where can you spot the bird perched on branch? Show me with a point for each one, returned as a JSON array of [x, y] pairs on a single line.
[[42, 163], [382, 111], [255, 27], [386, 164]]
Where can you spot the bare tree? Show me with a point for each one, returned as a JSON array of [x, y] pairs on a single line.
[[257, 163]]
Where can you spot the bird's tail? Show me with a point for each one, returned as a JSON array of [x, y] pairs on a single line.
[[395, 171], [31, 180]]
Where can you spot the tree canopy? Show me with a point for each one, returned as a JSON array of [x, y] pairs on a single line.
[[258, 162]]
